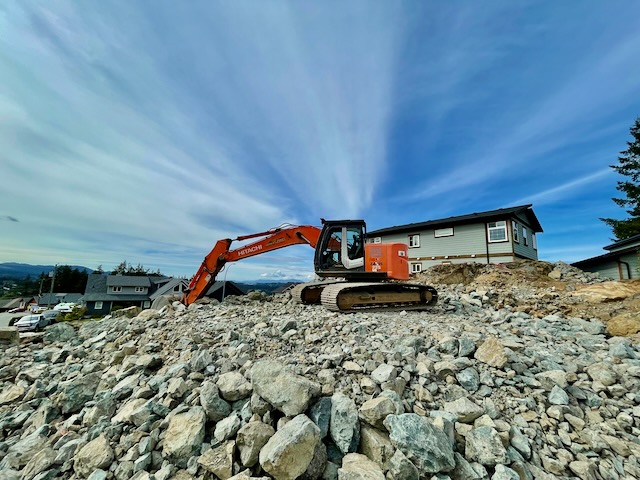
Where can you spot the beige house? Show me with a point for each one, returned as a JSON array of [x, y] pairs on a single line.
[[495, 236]]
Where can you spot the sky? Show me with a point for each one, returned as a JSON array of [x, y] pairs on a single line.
[[145, 131]]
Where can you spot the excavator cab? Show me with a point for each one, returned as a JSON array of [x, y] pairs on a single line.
[[340, 250]]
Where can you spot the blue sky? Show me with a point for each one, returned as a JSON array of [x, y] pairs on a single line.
[[145, 131]]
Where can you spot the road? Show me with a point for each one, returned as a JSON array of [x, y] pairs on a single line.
[[5, 317]]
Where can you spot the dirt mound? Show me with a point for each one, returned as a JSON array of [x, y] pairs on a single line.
[[542, 288]]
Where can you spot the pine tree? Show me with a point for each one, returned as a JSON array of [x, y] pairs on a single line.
[[629, 166]]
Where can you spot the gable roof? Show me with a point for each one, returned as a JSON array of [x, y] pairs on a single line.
[[623, 243], [488, 216], [128, 281], [230, 289], [167, 288]]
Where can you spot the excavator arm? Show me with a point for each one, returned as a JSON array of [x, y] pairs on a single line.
[[215, 261]]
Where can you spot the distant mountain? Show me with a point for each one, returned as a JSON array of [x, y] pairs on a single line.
[[22, 270]]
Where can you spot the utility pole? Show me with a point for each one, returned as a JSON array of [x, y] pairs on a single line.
[[53, 279]]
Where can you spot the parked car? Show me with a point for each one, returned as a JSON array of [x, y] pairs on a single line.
[[16, 310], [31, 323], [51, 315], [65, 307], [38, 309]]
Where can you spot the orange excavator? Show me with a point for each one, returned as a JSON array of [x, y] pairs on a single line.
[[356, 275]]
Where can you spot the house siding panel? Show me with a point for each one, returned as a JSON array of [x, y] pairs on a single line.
[[519, 248], [467, 240]]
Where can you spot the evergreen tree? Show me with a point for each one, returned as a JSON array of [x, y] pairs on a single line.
[[629, 166]]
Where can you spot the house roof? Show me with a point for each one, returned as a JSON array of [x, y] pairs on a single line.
[[14, 303], [108, 297], [623, 243], [230, 289], [600, 259], [128, 281], [499, 214], [285, 287], [58, 298], [167, 288]]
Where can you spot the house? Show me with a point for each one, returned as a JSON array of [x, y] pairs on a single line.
[[620, 263], [285, 287], [52, 299], [105, 293], [174, 288], [20, 302], [495, 236], [219, 290]]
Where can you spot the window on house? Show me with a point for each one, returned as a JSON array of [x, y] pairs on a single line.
[[497, 231], [177, 288], [377, 240], [443, 232], [139, 289], [414, 241], [98, 306], [514, 228], [416, 267], [116, 289], [525, 239], [533, 241]]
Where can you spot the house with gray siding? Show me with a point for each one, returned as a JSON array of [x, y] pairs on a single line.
[[495, 236], [621, 262], [105, 293]]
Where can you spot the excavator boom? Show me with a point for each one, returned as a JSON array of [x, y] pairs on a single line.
[[272, 239]]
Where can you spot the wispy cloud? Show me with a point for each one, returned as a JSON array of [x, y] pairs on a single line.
[[9, 218], [561, 191]]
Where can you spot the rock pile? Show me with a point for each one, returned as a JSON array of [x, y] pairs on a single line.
[[263, 388]]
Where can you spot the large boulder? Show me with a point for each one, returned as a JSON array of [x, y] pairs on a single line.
[[427, 447], [250, 440], [59, 332], [95, 454], [184, 435], [344, 425], [483, 445], [74, 394], [289, 452], [286, 391]]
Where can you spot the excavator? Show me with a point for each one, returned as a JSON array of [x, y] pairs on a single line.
[[355, 275]]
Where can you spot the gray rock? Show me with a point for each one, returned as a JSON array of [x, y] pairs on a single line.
[[483, 445], [504, 473], [422, 443], [289, 452], [59, 332], [40, 462], [289, 393], [344, 425], [384, 373], [401, 468], [558, 396], [227, 427], [469, 379], [320, 414], [214, 406], [75, 393]]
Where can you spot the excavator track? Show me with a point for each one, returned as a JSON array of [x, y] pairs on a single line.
[[310, 293], [379, 296]]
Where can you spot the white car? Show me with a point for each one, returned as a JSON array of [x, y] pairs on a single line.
[[65, 307], [30, 323]]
